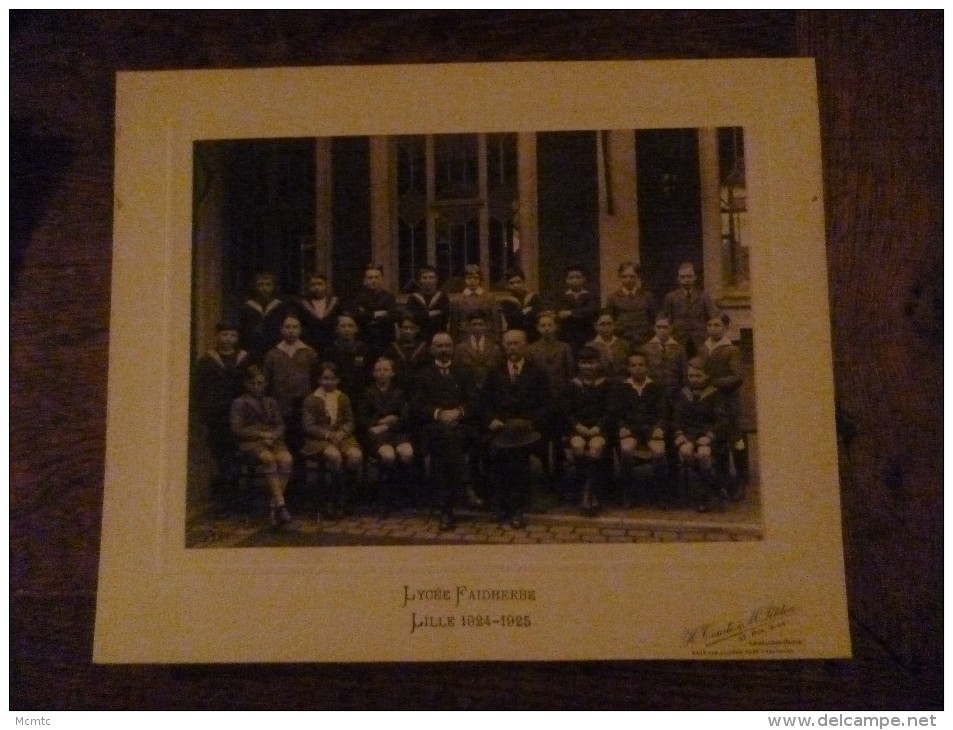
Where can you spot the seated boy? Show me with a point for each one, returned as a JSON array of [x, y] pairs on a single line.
[[639, 413], [587, 414], [383, 417], [327, 419], [259, 431], [698, 422]]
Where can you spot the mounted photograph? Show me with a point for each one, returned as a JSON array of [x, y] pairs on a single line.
[[466, 362], [344, 273]]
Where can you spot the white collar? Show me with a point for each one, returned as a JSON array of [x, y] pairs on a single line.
[[711, 344], [290, 350], [468, 292], [256, 306], [639, 388]]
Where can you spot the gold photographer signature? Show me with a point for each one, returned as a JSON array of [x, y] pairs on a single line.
[[748, 628]]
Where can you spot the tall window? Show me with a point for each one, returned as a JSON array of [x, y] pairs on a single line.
[[734, 208], [457, 204]]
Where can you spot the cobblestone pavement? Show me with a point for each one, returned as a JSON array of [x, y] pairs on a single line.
[[556, 525]]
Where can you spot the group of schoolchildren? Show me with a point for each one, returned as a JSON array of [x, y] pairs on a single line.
[[314, 379]]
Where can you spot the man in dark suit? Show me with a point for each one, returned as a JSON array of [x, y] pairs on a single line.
[[445, 412], [517, 403]]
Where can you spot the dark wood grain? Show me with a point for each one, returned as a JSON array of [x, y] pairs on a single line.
[[880, 77]]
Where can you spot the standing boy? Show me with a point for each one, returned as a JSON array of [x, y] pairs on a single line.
[[613, 350], [376, 312], [291, 370], [556, 358], [576, 309], [665, 357], [519, 307], [689, 309], [429, 305], [723, 364], [219, 374], [262, 316], [318, 311], [632, 306], [477, 351]]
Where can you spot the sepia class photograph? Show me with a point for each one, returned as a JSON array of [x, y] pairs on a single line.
[[472, 338]]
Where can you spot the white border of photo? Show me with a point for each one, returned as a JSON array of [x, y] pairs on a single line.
[[782, 597]]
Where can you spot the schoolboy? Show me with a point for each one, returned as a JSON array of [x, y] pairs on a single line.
[[290, 368], [665, 356], [689, 308], [474, 298], [699, 422], [632, 306], [261, 317], [724, 366], [477, 351], [376, 311], [519, 307], [219, 377], [557, 360], [318, 311], [587, 399], [328, 422], [408, 352], [576, 309], [639, 412], [259, 430], [429, 305], [350, 355], [383, 418], [613, 350]]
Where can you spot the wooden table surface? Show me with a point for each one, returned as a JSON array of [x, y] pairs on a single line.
[[881, 83]]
